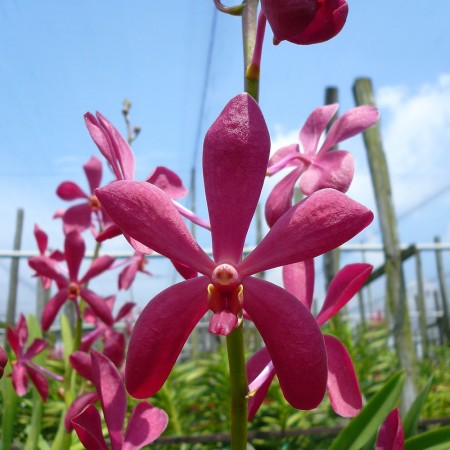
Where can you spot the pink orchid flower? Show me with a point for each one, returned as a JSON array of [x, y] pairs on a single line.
[[24, 368], [134, 265], [73, 286], [79, 217], [318, 167], [235, 156], [146, 422], [342, 384], [391, 435], [119, 155], [305, 21], [3, 361]]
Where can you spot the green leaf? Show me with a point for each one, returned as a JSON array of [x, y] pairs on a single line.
[[365, 426], [10, 400], [413, 415], [438, 439], [67, 338]]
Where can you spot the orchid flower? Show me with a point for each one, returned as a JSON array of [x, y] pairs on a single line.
[[235, 156], [305, 21], [119, 155], [318, 167], [23, 367], [73, 286], [3, 361], [391, 435], [342, 384], [79, 217], [134, 265], [146, 422]]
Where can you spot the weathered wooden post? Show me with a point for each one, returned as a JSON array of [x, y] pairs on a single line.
[[443, 291], [420, 303], [396, 299], [437, 306], [14, 271]]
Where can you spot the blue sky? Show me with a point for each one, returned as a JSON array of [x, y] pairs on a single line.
[[61, 59]]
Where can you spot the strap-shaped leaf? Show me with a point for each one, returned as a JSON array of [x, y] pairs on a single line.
[[413, 415], [438, 439]]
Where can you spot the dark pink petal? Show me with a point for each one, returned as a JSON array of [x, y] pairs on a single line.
[[82, 363], [342, 384], [77, 218], [89, 338], [77, 407], [68, 190], [19, 379], [39, 381], [391, 435], [314, 127], [314, 226], [146, 424], [35, 348], [235, 155], [351, 123], [111, 232], [327, 23], [297, 352], [185, 271], [98, 305], [284, 153], [255, 365], [160, 333], [298, 279], [41, 239], [128, 274], [124, 311], [280, 198], [114, 348], [13, 341], [347, 282], [52, 308], [147, 214], [334, 170], [93, 171], [222, 323], [168, 181], [121, 151], [74, 249], [22, 331], [45, 267], [88, 426], [3, 361], [111, 391], [97, 267]]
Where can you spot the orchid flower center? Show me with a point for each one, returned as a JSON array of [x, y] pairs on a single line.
[[73, 291], [94, 203]]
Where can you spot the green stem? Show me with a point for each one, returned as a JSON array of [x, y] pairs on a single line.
[[249, 26], [238, 388], [36, 420]]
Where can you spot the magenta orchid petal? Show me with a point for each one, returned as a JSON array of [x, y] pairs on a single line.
[[98, 305], [391, 435], [74, 249], [236, 145], [333, 169], [77, 406], [19, 379], [37, 346], [297, 352], [93, 171], [114, 348], [280, 198], [347, 282], [342, 384], [41, 239], [39, 381], [125, 310], [110, 232], [88, 426], [284, 154], [146, 424], [147, 214], [68, 190], [127, 275], [185, 271], [316, 225], [77, 218], [52, 308], [314, 127], [178, 309], [13, 341], [351, 123], [168, 181], [298, 279], [3, 361], [45, 267], [97, 267], [89, 338], [194, 218], [112, 395], [82, 363], [255, 366]]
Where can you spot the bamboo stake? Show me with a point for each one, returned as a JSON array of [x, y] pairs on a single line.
[[420, 303]]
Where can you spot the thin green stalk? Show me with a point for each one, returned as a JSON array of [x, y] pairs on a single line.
[[249, 26], [238, 388], [36, 421]]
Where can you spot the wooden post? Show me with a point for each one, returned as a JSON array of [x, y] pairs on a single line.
[[443, 291], [362, 311], [420, 303], [43, 297], [14, 271], [437, 306], [396, 299]]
